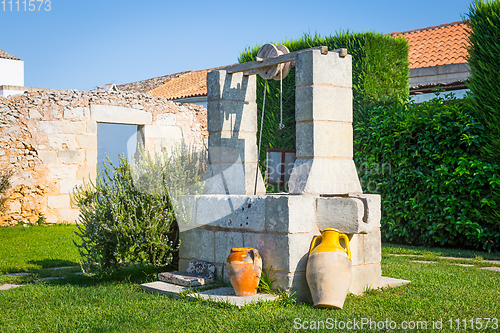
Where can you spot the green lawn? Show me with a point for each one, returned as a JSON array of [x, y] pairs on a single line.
[[439, 291]]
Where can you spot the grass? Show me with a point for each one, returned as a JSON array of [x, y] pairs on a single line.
[[116, 303]]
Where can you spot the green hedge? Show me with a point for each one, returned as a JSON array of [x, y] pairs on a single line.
[[380, 74], [424, 160], [484, 82]]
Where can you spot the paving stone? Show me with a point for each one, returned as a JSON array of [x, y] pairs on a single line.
[[19, 274], [50, 278], [464, 265], [495, 269], [9, 286], [424, 261], [392, 282]]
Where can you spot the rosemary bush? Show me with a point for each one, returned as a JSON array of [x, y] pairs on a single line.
[[127, 216], [4, 186]]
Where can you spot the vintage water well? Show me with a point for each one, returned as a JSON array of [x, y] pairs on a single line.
[[325, 191]]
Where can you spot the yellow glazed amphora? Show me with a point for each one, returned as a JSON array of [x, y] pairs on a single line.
[[329, 269]]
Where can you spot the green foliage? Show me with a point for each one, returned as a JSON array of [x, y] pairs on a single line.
[[121, 223], [484, 82], [4, 186], [425, 162], [128, 214], [380, 74]]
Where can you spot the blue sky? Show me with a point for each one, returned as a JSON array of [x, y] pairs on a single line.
[[81, 44]]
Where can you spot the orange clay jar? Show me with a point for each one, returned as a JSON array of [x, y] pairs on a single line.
[[244, 267]]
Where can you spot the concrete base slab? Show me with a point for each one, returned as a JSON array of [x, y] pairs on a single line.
[[392, 282], [226, 294], [495, 269], [9, 286], [223, 294]]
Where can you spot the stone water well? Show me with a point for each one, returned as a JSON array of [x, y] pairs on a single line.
[[324, 189]]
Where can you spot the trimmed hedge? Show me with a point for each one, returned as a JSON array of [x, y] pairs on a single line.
[[425, 162], [380, 74], [484, 82]]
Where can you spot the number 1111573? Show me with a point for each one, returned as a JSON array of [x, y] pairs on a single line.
[[26, 5]]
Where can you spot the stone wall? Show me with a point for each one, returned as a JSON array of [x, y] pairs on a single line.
[[49, 140]]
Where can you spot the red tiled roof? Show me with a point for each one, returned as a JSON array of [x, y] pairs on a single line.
[[186, 85], [6, 55], [439, 45]]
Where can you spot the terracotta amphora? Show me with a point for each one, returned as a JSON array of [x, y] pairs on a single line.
[[244, 268], [329, 269]]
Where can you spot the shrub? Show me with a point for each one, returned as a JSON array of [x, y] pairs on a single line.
[[425, 162], [4, 187], [127, 215], [380, 74], [484, 47]]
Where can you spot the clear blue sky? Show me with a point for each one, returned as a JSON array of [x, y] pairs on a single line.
[[81, 44]]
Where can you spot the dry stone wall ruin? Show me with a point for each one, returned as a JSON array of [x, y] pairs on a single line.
[[49, 141]]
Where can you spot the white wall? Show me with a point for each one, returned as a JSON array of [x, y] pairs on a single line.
[[11, 72], [459, 94]]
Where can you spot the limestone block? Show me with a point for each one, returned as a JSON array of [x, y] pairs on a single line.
[[373, 247], [163, 132], [68, 185], [50, 127], [34, 114], [87, 141], [119, 115], [15, 207], [75, 114], [184, 279], [167, 119], [290, 213], [236, 87], [62, 141], [47, 156], [237, 116], [90, 157], [71, 156], [197, 244], [87, 173], [63, 171], [69, 215], [224, 242], [344, 214], [234, 178], [356, 242], [244, 143], [323, 103], [59, 201], [312, 67], [293, 282], [324, 139], [91, 127], [373, 212], [232, 211], [364, 276], [286, 253], [70, 127], [324, 176]]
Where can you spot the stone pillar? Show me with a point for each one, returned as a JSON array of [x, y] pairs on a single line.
[[232, 140], [323, 114]]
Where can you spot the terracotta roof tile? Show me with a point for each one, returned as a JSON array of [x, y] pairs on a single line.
[[6, 55], [438, 45], [186, 85], [190, 84]]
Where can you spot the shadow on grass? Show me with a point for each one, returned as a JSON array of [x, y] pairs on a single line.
[[53, 263], [136, 274]]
